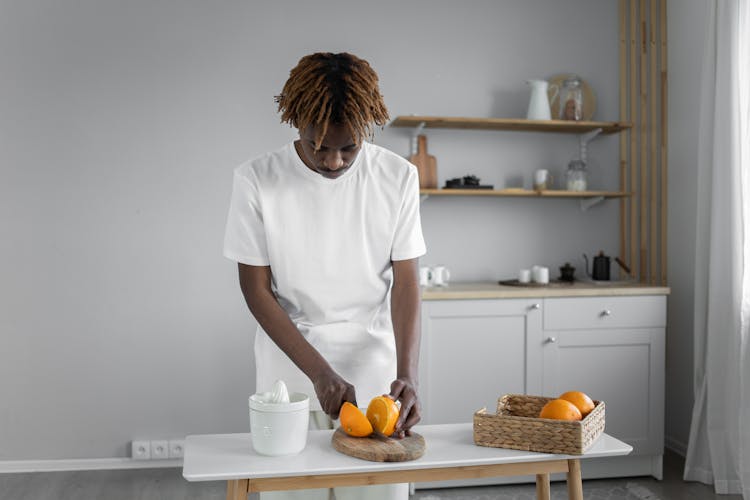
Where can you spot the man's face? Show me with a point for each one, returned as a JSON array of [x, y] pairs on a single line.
[[336, 154]]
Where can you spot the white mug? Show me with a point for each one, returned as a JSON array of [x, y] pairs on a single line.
[[440, 276], [524, 275], [540, 274], [425, 276], [542, 179]]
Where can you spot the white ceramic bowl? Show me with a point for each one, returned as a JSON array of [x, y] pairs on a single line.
[[279, 428]]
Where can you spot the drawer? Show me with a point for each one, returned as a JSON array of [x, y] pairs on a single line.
[[480, 307], [582, 313]]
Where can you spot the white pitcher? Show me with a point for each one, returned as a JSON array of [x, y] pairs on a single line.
[[539, 108]]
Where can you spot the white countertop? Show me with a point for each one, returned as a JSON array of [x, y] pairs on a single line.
[[216, 457], [493, 290]]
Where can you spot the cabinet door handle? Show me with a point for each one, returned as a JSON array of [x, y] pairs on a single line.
[[535, 306], [606, 312], [551, 340]]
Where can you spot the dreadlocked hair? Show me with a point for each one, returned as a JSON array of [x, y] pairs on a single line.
[[333, 88]]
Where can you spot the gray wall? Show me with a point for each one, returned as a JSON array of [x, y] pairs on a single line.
[[120, 124]]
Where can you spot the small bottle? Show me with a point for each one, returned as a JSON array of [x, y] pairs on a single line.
[[576, 176], [571, 99]]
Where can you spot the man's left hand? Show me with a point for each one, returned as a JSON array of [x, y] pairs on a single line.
[[405, 391]]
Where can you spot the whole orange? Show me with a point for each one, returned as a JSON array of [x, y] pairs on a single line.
[[559, 409], [584, 403], [353, 421], [382, 412]]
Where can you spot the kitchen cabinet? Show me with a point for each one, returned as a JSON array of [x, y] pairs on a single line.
[[611, 347], [472, 351]]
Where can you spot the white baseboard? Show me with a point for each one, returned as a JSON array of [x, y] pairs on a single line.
[[11, 466]]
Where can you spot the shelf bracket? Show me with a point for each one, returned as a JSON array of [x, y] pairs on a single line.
[[583, 143], [414, 137], [587, 203], [583, 147]]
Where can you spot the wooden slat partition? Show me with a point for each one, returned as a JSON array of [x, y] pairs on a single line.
[[643, 153], [632, 93], [623, 29], [653, 253], [629, 140], [643, 138]]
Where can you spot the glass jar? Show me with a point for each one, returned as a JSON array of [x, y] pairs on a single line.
[[576, 176], [571, 99]]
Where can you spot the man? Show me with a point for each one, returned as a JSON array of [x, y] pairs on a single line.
[[327, 235]]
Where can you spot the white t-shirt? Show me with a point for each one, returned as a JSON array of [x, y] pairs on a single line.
[[330, 243]]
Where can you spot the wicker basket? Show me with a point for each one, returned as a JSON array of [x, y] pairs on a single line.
[[518, 427]]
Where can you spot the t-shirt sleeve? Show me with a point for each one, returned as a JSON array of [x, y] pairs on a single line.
[[245, 235], [408, 241]]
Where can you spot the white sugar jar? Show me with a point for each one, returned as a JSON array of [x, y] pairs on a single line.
[[576, 176]]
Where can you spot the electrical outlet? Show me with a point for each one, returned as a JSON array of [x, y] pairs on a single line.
[[176, 448], [140, 450], [159, 449]]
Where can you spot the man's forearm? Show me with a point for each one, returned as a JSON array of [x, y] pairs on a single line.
[[405, 311]]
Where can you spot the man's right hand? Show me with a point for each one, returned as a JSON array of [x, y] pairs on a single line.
[[333, 391]]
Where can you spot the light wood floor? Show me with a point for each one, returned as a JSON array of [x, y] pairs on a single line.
[[163, 484]]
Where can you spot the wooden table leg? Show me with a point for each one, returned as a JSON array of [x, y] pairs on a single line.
[[575, 486], [542, 487], [237, 489]]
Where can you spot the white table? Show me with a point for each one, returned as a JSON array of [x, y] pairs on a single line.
[[450, 454]]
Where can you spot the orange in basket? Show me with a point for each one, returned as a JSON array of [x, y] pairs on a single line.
[[584, 403], [560, 409]]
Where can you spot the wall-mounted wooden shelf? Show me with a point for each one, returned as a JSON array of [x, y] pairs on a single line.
[[560, 126], [587, 198], [549, 193]]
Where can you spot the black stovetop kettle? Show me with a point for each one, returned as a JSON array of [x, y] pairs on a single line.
[[599, 268]]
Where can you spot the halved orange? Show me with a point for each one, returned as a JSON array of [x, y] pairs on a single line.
[[584, 403], [382, 412], [353, 421]]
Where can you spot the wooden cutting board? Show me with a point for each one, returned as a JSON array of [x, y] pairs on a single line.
[[426, 165], [378, 448]]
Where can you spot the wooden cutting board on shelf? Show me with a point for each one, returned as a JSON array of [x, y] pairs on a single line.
[[378, 448], [426, 165]]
